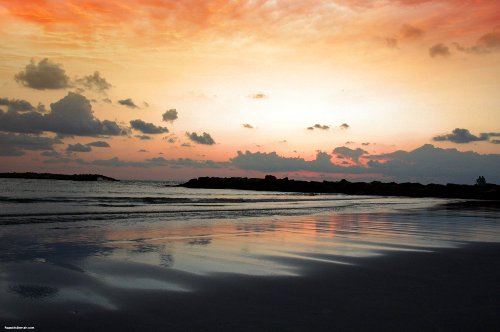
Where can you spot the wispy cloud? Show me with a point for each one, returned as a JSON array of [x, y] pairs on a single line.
[[147, 128], [258, 95], [94, 82], [128, 102], [487, 43], [352, 154], [78, 147], [99, 144], [439, 50], [318, 126], [344, 126], [411, 32]]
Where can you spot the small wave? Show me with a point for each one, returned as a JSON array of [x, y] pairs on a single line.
[[117, 205], [29, 200], [194, 212], [147, 200]]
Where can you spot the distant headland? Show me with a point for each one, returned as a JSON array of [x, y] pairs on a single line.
[[481, 190], [51, 176]]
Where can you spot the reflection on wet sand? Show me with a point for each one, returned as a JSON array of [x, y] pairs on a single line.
[[90, 267]]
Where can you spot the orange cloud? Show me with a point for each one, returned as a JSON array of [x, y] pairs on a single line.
[[284, 21]]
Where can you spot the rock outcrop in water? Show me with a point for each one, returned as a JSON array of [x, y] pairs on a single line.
[[271, 183], [51, 176]]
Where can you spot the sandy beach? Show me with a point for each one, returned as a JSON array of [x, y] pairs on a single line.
[[132, 256], [442, 290]]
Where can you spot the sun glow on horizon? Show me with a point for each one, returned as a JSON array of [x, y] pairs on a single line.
[[292, 78]]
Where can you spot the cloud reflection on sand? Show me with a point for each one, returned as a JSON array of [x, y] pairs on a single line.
[[87, 267]]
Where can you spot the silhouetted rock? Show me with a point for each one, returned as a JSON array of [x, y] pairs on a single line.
[[271, 183], [481, 181], [51, 176], [270, 178]]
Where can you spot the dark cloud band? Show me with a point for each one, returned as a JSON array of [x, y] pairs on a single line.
[[464, 136], [128, 102], [72, 115], [147, 128]]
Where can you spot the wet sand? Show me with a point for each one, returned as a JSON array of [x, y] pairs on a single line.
[[438, 290], [301, 264]]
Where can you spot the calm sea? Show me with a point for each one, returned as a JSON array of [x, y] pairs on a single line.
[[204, 231]]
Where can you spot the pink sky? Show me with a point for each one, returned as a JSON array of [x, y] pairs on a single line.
[[375, 76]]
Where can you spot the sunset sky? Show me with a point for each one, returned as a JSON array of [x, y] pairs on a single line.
[[392, 90]]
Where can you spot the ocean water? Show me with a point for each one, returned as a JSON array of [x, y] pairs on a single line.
[[51, 201], [205, 231], [82, 245]]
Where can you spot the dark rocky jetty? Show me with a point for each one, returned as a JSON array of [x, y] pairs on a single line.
[[271, 183], [51, 176]]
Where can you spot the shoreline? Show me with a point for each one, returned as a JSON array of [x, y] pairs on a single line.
[[446, 289], [376, 188], [379, 264], [53, 176]]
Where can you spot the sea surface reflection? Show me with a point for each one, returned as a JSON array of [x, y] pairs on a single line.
[[84, 263]]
